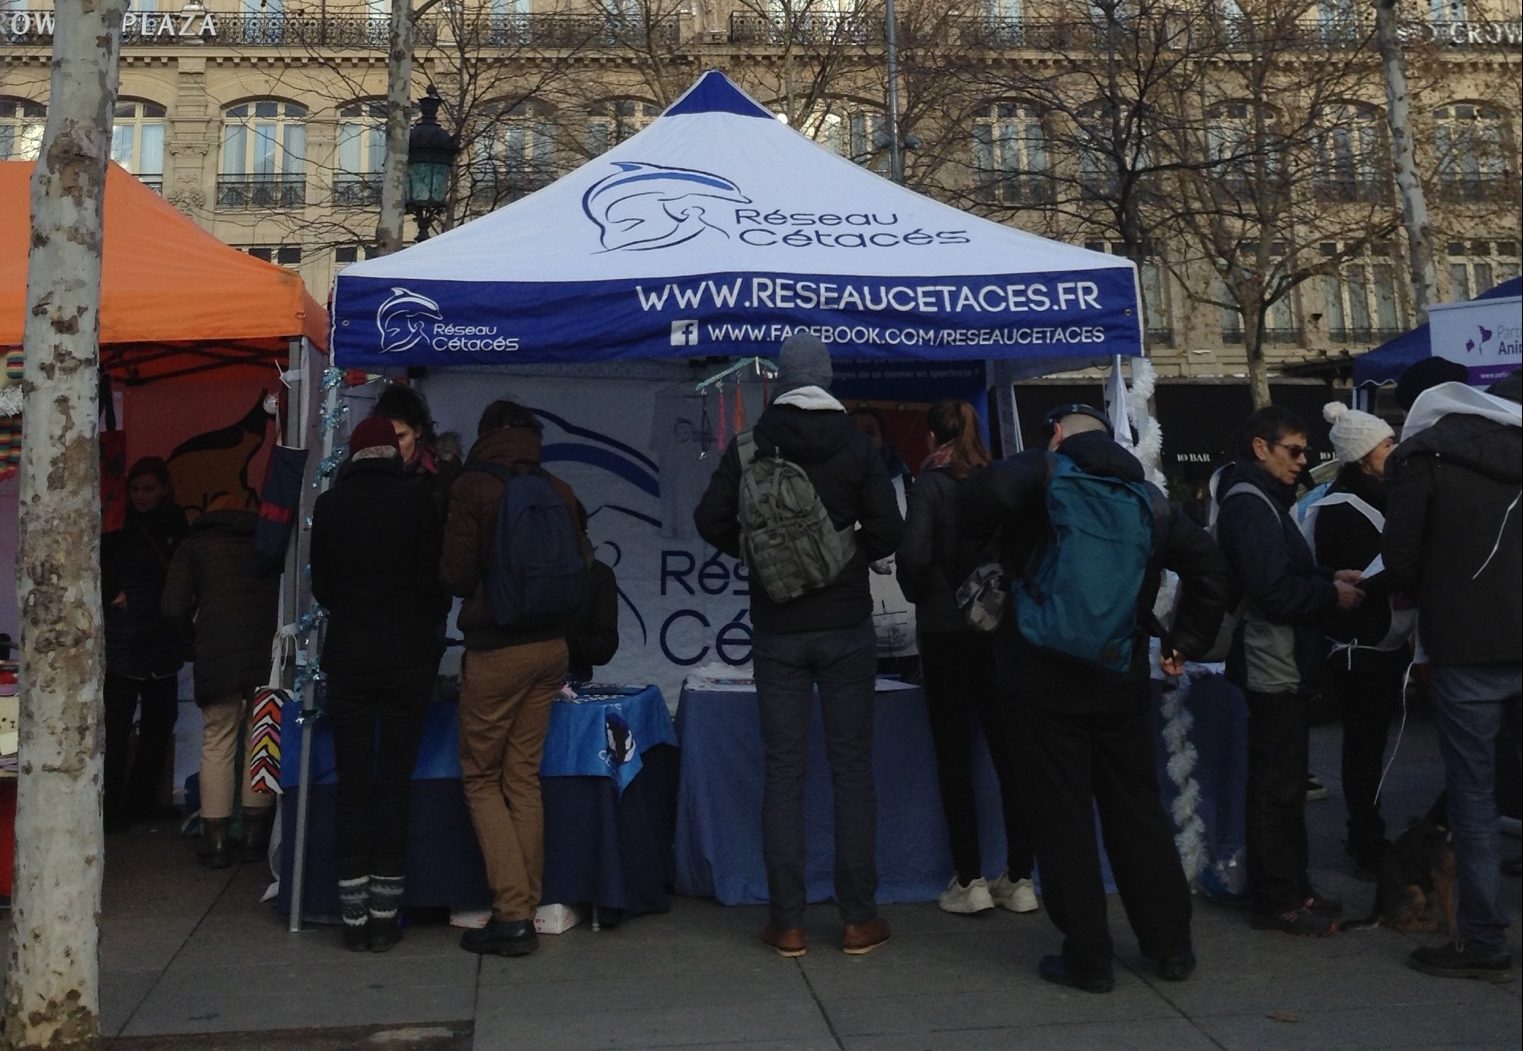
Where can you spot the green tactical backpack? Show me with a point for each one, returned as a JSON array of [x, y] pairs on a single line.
[[788, 542]]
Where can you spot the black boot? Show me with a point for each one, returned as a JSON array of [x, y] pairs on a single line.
[[385, 911], [217, 850], [353, 905], [257, 826]]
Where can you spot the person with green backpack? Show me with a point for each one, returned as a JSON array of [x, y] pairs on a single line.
[[1083, 539]]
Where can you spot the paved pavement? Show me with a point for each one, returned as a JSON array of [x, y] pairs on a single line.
[[191, 959]]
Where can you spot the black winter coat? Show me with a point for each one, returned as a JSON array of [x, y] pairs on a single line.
[[1452, 537], [1291, 598], [852, 483], [212, 583], [1009, 499], [375, 567], [934, 557], [1346, 539], [594, 638], [141, 643]]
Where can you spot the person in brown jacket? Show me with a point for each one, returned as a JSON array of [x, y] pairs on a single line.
[[211, 581], [508, 679]]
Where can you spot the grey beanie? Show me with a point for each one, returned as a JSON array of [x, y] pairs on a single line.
[[803, 361]]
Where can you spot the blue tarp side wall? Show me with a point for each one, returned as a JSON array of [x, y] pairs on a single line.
[[1387, 362]]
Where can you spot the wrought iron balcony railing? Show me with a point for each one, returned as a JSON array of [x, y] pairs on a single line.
[[1364, 335], [357, 191], [261, 191], [754, 29], [1475, 189], [567, 31], [1363, 189]]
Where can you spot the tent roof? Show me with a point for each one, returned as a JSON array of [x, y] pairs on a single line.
[[1387, 362], [173, 297], [714, 231]]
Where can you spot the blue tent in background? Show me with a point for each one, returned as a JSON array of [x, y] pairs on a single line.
[[1387, 362]]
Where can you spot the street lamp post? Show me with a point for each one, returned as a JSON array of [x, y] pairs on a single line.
[[430, 158]]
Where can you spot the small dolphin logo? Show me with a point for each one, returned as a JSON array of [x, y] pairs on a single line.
[[644, 206], [400, 319]]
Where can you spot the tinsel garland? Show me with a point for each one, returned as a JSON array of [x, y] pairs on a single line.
[[1189, 836]]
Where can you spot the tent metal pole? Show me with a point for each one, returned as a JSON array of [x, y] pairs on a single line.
[[308, 713]]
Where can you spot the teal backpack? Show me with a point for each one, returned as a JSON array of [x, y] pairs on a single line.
[[1079, 597]]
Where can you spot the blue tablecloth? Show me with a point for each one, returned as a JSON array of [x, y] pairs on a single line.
[[608, 823], [719, 838]]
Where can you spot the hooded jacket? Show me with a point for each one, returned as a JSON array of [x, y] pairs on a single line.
[[1452, 536], [211, 582], [141, 643], [375, 567], [847, 473], [1006, 503], [471, 527], [1282, 642], [1346, 539], [934, 558]]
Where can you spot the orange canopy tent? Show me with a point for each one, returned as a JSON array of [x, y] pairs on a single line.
[[174, 300]]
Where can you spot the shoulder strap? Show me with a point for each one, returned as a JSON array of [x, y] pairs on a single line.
[[745, 448], [501, 473], [1243, 487], [1376, 519]]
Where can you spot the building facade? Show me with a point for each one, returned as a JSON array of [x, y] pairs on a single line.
[[1239, 151]]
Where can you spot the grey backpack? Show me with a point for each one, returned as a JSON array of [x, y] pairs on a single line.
[[788, 542]]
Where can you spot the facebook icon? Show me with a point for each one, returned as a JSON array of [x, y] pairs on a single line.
[[684, 333]]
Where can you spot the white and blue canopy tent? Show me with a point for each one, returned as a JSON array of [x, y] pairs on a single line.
[[714, 232]]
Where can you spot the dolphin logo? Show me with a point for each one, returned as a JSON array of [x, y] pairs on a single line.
[[400, 319], [645, 206]]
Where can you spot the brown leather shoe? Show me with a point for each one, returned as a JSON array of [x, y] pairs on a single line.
[[863, 938], [788, 941]]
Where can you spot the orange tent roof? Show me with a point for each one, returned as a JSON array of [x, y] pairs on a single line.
[[174, 299]]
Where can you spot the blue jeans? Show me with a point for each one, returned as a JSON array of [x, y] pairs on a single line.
[[1469, 701], [788, 666]]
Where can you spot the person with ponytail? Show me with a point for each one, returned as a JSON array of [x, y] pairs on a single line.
[[957, 665]]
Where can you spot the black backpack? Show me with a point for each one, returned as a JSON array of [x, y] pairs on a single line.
[[537, 566]]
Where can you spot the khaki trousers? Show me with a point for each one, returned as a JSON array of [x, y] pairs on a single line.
[[505, 697], [223, 722]]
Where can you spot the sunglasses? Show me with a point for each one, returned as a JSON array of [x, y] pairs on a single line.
[[1297, 452]]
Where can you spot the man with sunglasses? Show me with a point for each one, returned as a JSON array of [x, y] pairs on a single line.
[[1276, 657]]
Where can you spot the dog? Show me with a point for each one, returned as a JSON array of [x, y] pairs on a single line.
[[1417, 872]]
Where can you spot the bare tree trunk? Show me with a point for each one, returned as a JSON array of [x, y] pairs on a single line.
[[1414, 208], [388, 230], [1258, 366], [52, 988]]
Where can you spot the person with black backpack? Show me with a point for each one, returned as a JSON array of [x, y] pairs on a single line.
[[1083, 539], [806, 501], [513, 551]]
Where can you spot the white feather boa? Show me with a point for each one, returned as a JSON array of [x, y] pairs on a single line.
[[1190, 830]]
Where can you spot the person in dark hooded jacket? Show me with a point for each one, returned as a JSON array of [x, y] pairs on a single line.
[[1452, 539], [821, 638], [212, 590], [1083, 734], [142, 646]]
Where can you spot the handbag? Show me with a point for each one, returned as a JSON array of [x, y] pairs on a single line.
[[264, 719], [983, 596]]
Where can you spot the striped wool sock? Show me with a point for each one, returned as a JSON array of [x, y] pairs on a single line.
[[386, 896], [354, 901]]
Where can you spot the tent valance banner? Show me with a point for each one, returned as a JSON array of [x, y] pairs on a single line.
[[716, 231], [1484, 335], [1387, 362]]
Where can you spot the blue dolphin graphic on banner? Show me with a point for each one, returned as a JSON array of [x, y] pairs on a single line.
[[400, 319], [645, 206]]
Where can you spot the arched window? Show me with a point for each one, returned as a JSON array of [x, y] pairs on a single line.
[[264, 147], [137, 140], [1010, 156], [1351, 155], [1473, 142], [21, 124], [512, 152], [856, 134], [611, 122], [1244, 148], [361, 154]]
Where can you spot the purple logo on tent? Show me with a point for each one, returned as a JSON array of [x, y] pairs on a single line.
[[400, 319], [644, 206]]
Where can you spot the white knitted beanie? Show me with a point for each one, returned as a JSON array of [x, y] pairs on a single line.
[[1354, 433]]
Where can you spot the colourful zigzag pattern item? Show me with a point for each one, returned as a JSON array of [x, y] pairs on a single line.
[[264, 740]]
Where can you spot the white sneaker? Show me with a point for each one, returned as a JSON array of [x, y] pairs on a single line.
[[966, 900], [1015, 895]]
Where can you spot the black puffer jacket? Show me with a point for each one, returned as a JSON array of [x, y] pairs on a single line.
[[1009, 499], [375, 566], [934, 558], [1347, 539], [1290, 598], [211, 581], [141, 642], [1452, 537], [852, 483]]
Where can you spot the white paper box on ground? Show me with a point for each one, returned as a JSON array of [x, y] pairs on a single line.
[[555, 919]]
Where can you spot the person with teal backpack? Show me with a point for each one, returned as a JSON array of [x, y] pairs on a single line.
[[1083, 538]]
